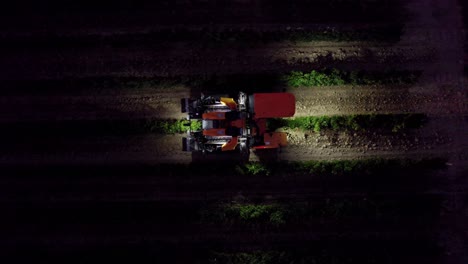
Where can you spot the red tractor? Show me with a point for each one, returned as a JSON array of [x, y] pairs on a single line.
[[229, 124]]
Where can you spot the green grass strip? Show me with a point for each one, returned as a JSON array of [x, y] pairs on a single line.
[[279, 213], [272, 213], [365, 167], [329, 77], [246, 213], [257, 257], [172, 126], [250, 83]]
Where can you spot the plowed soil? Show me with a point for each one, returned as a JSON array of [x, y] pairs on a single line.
[[431, 43]]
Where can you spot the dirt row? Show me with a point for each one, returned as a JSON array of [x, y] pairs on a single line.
[[89, 15], [419, 46], [431, 140], [164, 103], [431, 43], [439, 92], [188, 248], [176, 189], [180, 59]]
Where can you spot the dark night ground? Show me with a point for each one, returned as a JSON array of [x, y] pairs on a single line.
[[114, 211]]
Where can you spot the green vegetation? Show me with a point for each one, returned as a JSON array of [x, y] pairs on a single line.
[[250, 83], [283, 214], [171, 126], [311, 255], [253, 168], [338, 252], [378, 168], [292, 257], [314, 78], [328, 77], [342, 167], [389, 122], [254, 257], [273, 213], [365, 167], [246, 214]]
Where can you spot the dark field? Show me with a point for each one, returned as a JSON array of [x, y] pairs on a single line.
[[91, 160]]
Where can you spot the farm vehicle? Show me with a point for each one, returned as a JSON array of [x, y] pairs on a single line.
[[239, 124]]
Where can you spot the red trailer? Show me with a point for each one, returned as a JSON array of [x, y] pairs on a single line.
[[272, 105]]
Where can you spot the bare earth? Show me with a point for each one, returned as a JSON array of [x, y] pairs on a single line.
[[432, 43]]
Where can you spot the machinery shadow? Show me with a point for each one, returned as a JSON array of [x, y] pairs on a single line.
[[231, 85], [230, 157], [266, 156]]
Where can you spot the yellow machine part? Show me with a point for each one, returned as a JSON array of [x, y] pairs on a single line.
[[229, 102], [231, 145]]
